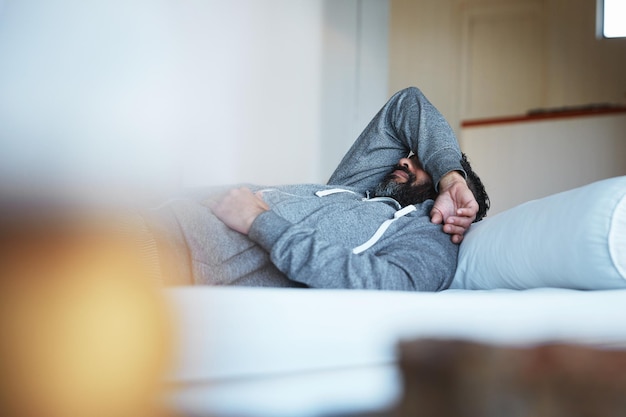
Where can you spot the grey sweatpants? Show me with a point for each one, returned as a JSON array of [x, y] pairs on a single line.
[[196, 248]]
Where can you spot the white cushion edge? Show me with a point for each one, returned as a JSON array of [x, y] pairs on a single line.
[[617, 237]]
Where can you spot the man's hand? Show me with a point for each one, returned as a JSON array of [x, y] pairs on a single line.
[[239, 208], [455, 206]]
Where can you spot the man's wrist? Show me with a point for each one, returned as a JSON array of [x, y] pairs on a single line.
[[450, 178]]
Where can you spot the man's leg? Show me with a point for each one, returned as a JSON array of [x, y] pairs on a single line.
[[198, 248]]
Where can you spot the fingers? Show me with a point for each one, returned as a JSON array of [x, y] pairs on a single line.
[[460, 221], [213, 199], [239, 208], [436, 216], [457, 239], [452, 229], [456, 232], [467, 212], [456, 226]]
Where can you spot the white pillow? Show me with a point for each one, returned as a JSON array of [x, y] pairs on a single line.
[[575, 239]]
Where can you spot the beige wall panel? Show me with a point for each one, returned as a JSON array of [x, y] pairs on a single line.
[[527, 160], [503, 59], [426, 49], [582, 68]]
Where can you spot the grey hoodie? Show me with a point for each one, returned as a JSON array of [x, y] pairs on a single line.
[[334, 236]]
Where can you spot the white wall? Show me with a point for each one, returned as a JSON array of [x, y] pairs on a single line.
[[88, 92], [354, 73], [160, 93], [251, 79]]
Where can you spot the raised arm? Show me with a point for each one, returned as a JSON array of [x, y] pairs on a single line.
[[408, 122]]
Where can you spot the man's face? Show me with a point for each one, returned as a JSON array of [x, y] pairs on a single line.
[[407, 183], [409, 170]]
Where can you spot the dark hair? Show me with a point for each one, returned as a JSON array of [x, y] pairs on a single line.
[[477, 188]]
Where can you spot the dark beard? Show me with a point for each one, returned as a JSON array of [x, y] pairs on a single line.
[[405, 193]]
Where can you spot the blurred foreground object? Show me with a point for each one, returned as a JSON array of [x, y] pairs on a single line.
[[463, 379], [84, 330]]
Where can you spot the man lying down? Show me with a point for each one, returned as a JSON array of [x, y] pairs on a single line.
[[377, 224]]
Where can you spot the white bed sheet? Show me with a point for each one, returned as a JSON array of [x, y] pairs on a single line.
[[292, 352]]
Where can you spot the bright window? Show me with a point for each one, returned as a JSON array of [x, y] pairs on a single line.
[[614, 19]]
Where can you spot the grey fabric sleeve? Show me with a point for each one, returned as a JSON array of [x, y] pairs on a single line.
[[304, 256], [407, 122]]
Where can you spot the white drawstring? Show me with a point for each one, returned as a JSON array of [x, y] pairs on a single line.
[[382, 228], [386, 200], [324, 193]]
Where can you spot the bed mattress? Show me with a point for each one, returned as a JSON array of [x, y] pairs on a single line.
[[296, 352]]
